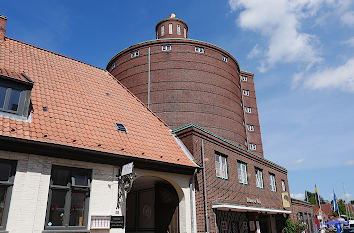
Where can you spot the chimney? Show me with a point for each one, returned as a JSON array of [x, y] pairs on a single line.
[[2, 27]]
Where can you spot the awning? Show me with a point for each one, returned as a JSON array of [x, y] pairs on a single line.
[[233, 207]]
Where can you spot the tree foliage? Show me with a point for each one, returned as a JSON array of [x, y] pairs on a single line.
[[289, 226]]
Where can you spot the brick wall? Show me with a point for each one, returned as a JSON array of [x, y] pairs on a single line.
[[306, 209], [230, 191]]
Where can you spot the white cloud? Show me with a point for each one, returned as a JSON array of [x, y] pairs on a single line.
[[348, 18], [349, 42], [349, 163], [347, 196], [254, 52], [341, 77], [299, 196], [279, 22], [298, 161]]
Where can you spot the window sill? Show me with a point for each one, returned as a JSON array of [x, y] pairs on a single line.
[[3, 231]]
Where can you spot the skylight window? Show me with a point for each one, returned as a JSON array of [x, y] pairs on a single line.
[[121, 128]]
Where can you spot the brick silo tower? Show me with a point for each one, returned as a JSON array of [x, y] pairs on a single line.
[[186, 81]]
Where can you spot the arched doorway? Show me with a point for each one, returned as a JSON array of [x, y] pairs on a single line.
[[152, 206]]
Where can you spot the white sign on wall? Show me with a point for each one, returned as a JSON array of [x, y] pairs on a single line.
[[127, 169]]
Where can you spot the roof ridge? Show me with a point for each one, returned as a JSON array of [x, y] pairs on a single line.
[[58, 54], [137, 99], [227, 141]]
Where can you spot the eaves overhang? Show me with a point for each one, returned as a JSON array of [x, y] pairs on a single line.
[[21, 145]]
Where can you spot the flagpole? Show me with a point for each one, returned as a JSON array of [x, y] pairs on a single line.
[[346, 213]]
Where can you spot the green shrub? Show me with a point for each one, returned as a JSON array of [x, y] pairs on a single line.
[[289, 226]]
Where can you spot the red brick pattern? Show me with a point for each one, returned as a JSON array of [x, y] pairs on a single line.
[[298, 206], [186, 86], [230, 191], [83, 103], [254, 137]]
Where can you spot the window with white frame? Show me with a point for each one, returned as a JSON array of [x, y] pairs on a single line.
[[162, 30], [253, 147], [134, 53], [250, 127], [221, 165], [272, 184], [259, 178], [166, 47], [248, 109], [170, 28], [283, 185], [185, 33], [178, 29], [199, 49], [242, 172], [243, 78], [246, 92], [224, 58]]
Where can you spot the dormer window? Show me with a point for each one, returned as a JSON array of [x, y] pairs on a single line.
[[15, 94]]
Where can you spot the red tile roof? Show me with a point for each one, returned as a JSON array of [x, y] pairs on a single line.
[[83, 103]]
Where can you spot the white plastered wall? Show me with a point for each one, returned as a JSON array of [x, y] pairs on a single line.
[[31, 185]]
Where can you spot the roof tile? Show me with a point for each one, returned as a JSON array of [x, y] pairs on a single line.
[[80, 113]]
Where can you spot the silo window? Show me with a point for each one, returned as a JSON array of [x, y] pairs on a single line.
[[162, 30], [113, 66], [199, 49], [178, 29], [253, 147], [185, 33], [166, 47], [244, 78], [250, 127], [170, 28], [134, 53], [246, 92], [224, 58], [248, 109]]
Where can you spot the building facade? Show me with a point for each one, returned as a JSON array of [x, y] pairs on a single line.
[[302, 211], [69, 133], [200, 92]]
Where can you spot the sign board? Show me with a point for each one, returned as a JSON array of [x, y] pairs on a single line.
[[252, 226], [253, 200], [117, 221], [286, 199], [127, 169]]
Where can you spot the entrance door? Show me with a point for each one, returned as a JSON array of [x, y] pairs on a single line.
[[152, 207]]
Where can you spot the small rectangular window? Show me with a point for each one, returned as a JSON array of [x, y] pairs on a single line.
[[166, 47], [178, 29], [253, 147], [224, 58], [221, 166], [248, 109], [250, 127], [242, 172], [170, 28], [244, 78], [199, 49], [185, 33], [259, 178], [7, 176], [162, 30], [272, 184], [283, 185], [134, 53], [68, 200], [113, 66], [246, 92]]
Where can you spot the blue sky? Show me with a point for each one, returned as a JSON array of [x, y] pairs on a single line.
[[301, 51]]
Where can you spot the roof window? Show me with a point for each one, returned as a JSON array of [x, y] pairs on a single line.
[[134, 53], [121, 127], [15, 91]]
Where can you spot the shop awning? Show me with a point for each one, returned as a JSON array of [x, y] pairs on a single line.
[[233, 207]]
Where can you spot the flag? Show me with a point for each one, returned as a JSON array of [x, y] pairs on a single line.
[[318, 204], [335, 205]]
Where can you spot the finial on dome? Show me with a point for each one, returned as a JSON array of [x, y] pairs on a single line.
[[172, 16]]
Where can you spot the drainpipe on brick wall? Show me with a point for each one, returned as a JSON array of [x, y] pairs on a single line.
[[149, 78], [207, 225], [192, 203]]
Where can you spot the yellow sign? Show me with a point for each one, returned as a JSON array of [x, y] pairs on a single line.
[[286, 199]]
